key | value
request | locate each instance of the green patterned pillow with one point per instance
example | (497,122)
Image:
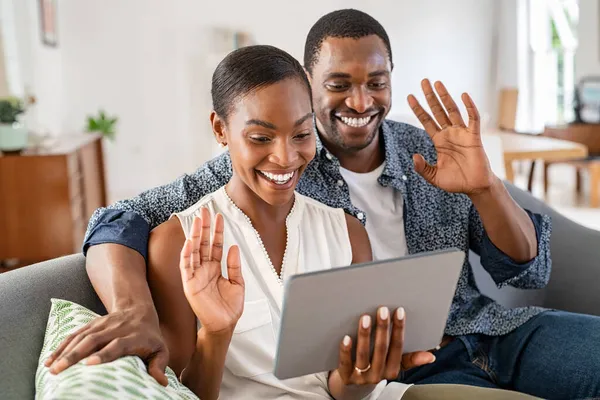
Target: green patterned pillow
(125,378)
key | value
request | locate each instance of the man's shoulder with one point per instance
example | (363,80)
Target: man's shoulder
(220,164)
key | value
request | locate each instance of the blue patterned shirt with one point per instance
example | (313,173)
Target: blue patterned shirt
(433,220)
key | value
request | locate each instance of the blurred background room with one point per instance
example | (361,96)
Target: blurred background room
(101,100)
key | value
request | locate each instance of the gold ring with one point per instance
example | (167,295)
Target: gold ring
(361,371)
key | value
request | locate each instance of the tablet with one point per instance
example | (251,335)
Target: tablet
(319,308)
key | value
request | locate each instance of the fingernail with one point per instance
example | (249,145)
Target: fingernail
(48,361)
(384,313)
(92,360)
(346,340)
(432,359)
(400,313)
(366,321)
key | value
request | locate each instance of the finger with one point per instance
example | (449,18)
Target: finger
(453,111)
(394,358)
(157,366)
(363,347)
(234,266)
(116,348)
(473,113)
(205,235)
(56,354)
(424,169)
(434,103)
(345,365)
(185,261)
(430,126)
(196,239)
(417,359)
(381,346)
(78,349)
(216,251)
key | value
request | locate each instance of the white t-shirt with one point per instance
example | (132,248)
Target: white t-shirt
(383,207)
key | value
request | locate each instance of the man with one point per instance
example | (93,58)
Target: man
(415,191)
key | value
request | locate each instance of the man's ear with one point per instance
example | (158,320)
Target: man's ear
(218,127)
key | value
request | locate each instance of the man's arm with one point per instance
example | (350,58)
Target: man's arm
(507,225)
(514,244)
(116,249)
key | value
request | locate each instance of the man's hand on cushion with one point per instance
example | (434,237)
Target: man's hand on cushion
(133,331)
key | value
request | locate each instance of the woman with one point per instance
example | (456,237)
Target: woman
(219,314)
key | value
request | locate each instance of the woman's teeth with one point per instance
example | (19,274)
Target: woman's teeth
(356,122)
(280,179)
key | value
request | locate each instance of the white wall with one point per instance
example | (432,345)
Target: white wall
(148,62)
(587,57)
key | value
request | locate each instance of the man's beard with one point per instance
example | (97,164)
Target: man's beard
(338,139)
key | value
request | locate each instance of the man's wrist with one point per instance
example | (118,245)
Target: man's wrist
(493,191)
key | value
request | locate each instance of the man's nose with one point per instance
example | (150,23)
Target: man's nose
(359,101)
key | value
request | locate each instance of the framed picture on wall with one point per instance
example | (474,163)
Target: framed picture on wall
(48,22)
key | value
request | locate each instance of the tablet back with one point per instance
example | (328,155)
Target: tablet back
(319,308)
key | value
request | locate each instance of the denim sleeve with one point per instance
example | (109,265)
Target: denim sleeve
(129,222)
(534,274)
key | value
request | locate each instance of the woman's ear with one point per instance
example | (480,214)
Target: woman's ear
(218,127)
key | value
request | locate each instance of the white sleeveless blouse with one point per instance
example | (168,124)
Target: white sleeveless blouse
(317,239)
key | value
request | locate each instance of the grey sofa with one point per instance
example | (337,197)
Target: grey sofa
(25,294)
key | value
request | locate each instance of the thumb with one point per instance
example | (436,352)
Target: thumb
(157,366)
(423,168)
(234,266)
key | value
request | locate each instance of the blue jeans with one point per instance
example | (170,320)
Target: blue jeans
(555,355)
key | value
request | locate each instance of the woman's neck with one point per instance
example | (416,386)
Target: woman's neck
(261,214)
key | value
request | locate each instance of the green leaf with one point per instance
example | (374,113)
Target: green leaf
(133,391)
(102,394)
(104,385)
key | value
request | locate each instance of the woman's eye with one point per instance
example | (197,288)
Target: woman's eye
(302,136)
(260,139)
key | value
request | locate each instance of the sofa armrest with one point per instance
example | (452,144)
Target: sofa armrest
(575,265)
(25,304)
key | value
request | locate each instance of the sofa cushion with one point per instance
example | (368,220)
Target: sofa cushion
(125,378)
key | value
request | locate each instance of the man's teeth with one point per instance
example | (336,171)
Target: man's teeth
(280,179)
(356,122)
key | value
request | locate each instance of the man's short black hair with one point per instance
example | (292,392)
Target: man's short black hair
(347,23)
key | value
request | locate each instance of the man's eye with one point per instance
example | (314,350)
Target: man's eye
(378,85)
(337,87)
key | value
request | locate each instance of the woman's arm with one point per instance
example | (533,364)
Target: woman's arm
(361,252)
(359,241)
(200,356)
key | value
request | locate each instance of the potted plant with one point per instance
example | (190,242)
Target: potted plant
(102,124)
(13,134)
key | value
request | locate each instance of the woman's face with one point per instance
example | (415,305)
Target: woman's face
(271,139)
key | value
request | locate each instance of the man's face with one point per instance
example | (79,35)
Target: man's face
(351,91)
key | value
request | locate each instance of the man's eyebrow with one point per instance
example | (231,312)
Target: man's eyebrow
(381,72)
(259,122)
(341,75)
(301,120)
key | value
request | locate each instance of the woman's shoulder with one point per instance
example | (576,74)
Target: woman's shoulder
(210,201)
(316,206)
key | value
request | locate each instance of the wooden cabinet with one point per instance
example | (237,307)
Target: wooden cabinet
(47,197)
